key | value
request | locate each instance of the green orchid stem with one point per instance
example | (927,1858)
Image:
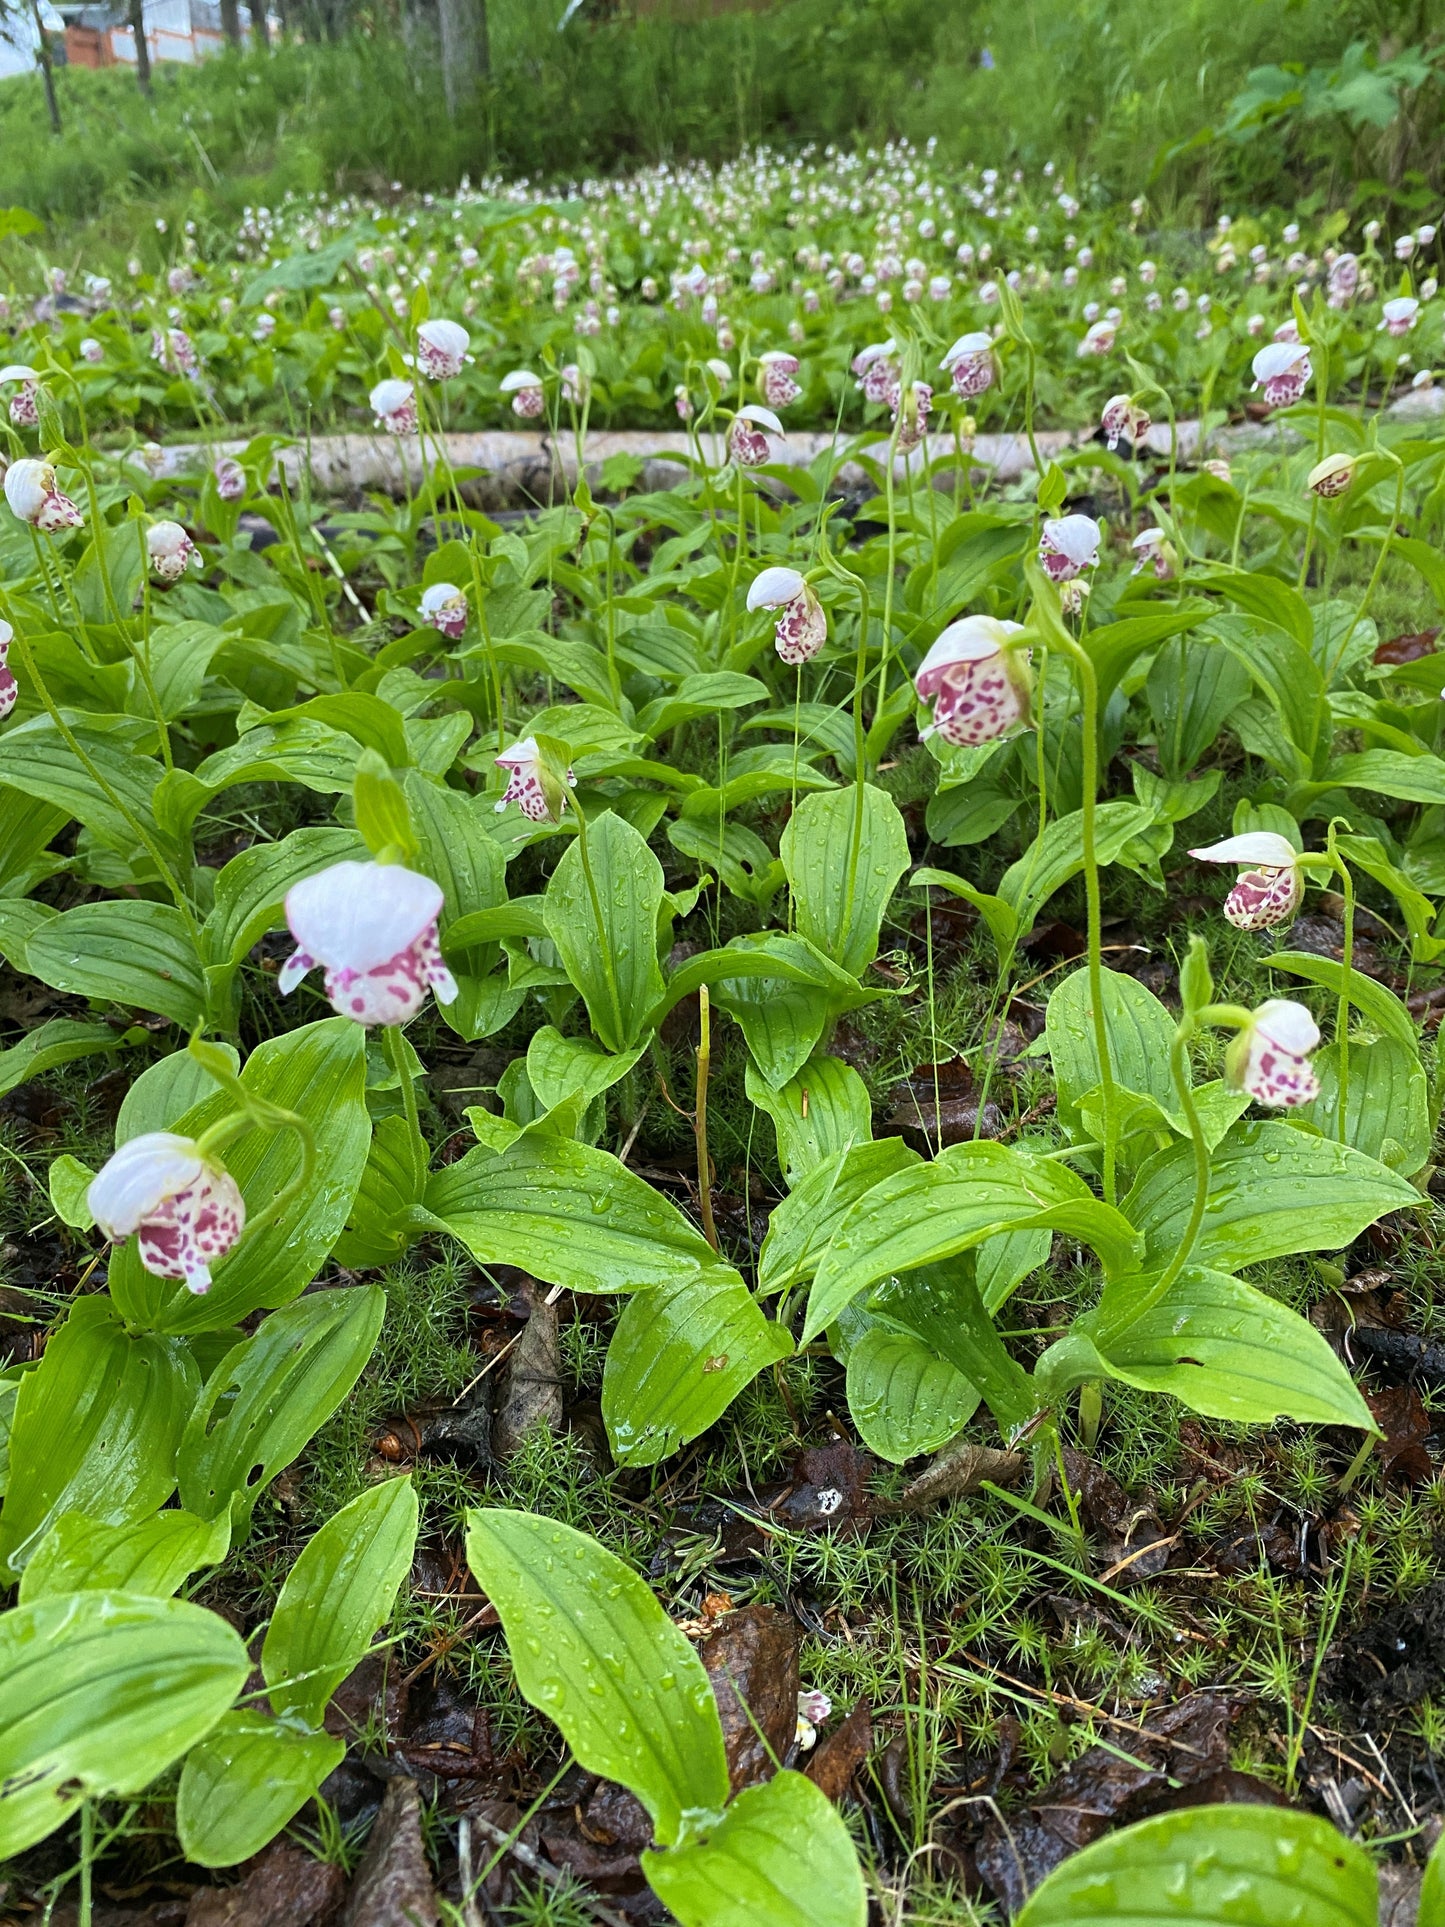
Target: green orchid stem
(395,1048)
(1179,1065)
(484,629)
(123,810)
(1091,1412)
(87,1860)
(860,674)
(1089,689)
(1342,1008)
(141,650)
(1375,574)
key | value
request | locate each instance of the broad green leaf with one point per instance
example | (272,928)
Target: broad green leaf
(177,656)
(934,1211)
(679,1356)
(1390,772)
(377,1230)
(1432,1891)
(1387,1110)
(605,927)
(1272,1190)
(1229,1351)
(96,1428)
(1002,919)
(102,1691)
(803,1223)
(245,1780)
(1230,1866)
(60,1041)
(1002,1262)
(1052,859)
(1291,683)
(904,1398)
(251,889)
(40,763)
(1193,686)
(781,1856)
(126,952)
(69,1183)
(821,1112)
(782,1023)
(774,955)
(559,1067)
(165,1091)
(319,1071)
(1381,1009)
(456,848)
(339,1592)
(843,862)
(1115,646)
(1139,1029)
(941,1306)
(150,1556)
(1267,600)
(271,1394)
(593,1649)
(570,1215)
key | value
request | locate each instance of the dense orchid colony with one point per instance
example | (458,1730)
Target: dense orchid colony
(651,279)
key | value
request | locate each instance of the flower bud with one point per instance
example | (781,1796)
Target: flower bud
(185,1210)
(1333,476)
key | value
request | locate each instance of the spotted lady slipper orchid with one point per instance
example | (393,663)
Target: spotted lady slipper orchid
(1123,416)
(527,785)
(747,437)
(776,385)
(9,688)
(877,371)
(970,365)
(92,350)
(230,479)
(1153,550)
(910,415)
(1271,884)
(802,628)
(1282,370)
(813,1709)
(393,403)
(977,680)
(1270,1057)
(30,490)
(441,349)
(1343,280)
(170,550)
(1398,317)
(25,402)
(184,1209)
(1332,477)
(1069,546)
(1100,338)
(444,608)
(574,385)
(525,388)
(682,402)
(174,350)
(373,928)
(1219,469)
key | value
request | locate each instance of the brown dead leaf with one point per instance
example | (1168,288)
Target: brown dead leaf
(939,1104)
(840,1755)
(958,1469)
(532,1394)
(284,1887)
(1401,1416)
(751,1658)
(393,1884)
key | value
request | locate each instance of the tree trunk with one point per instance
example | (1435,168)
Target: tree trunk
(260,26)
(142,48)
(42,54)
(463,37)
(231,21)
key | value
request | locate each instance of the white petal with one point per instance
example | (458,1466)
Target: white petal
(388,396)
(1277,358)
(1275,852)
(355,916)
(764,417)
(1288,1025)
(774,587)
(970,639)
(1076,536)
(519,378)
(974,344)
(447,337)
(141,1175)
(520,754)
(17,371)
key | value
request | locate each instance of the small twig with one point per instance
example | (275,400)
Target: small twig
(544,1870)
(495,1359)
